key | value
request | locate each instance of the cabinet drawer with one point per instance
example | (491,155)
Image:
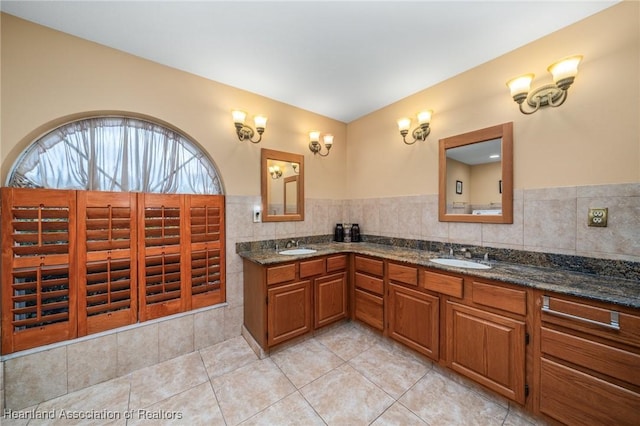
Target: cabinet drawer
(309,268)
(592,319)
(336,263)
(592,401)
(507,299)
(595,356)
(370,266)
(281,274)
(403,274)
(441,283)
(369,309)
(369,283)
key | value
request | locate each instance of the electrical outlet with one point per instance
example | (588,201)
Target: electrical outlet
(257,214)
(598,217)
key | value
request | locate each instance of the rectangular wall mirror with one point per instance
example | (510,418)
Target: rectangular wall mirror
(282,186)
(476,176)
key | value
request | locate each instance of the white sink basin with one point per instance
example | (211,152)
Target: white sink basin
(298,251)
(459,263)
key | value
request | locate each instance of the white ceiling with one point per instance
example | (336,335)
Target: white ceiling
(336,58)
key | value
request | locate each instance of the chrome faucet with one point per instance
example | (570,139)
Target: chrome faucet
(291,243)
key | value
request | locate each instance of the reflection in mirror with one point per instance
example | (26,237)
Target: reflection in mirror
(282,184)
(476,171)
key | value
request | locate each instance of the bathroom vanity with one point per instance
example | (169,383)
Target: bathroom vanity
(563,345)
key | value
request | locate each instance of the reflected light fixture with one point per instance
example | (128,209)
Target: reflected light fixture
(246,132)
(314,143)
(296,168)
(564,73)
(275,172)
(419,133)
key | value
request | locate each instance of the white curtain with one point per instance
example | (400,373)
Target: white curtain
(116,154)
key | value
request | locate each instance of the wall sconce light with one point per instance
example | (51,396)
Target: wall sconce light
(296,168)
(419,133)
(564,72)
(314,144)
(275,172)
(246,132)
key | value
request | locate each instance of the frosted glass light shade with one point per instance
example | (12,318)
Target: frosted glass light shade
(565,68)
(238,116)
(424,117)
(260,121)
(314,136)
(520,85)
(328,140)
(404,124)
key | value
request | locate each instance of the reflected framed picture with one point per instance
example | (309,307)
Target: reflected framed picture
(458,187)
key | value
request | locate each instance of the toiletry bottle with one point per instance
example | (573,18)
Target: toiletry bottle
(338,234)
(355,233)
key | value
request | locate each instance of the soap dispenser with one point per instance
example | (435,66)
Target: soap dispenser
(338,234)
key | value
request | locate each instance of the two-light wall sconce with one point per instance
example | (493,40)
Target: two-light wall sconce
(419,133)
(275,172)
(564,73)
(314,143)
(247,132)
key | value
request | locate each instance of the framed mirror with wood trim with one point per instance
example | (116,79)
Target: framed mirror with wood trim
(282,186)
(476,176)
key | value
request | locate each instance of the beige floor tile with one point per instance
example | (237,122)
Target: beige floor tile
(440,401)
(306,361)
(396,415)
(250,389)
(227,356)
(394,371)
(345,397)
(153,384)
(102,404)
(290,411)
(196,406)
(348,340)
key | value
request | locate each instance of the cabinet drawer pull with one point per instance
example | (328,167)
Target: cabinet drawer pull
(614,323)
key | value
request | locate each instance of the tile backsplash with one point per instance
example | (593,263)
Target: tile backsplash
(550,220)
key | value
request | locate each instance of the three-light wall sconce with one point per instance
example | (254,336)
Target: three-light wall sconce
(247,132)
(419,133)
(564,73)
(314,143)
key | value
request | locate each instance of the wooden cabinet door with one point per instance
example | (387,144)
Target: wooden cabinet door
(487,348)
(330,299)
(289,311)
(413,319)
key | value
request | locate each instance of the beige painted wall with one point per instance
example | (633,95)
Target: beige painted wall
(594,138)
(48,76)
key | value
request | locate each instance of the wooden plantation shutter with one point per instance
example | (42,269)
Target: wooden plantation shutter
(162,282)
(206,254)
(39,286)
(107,260)
(81,262)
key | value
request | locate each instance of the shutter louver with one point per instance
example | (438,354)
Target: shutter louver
(38,279)
(107,229)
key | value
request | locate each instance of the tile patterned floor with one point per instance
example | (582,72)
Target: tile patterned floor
(347,375)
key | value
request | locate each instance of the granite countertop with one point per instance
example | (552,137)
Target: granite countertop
(619,291)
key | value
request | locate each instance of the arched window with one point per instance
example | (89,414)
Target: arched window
(121,154)
(106,222)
